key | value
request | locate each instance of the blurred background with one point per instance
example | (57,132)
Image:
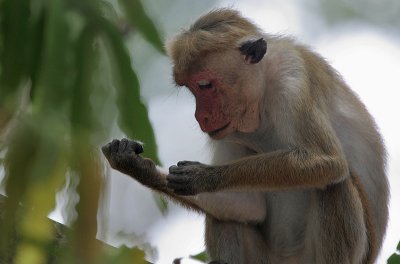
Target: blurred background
(67,88)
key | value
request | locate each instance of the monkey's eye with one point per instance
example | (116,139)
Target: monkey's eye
(204,84)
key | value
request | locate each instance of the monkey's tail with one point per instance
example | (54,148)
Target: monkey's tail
(369,221)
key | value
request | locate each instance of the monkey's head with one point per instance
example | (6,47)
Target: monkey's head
(219,60)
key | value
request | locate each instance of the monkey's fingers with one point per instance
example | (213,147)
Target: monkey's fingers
(176,170)
(187,163)
(135,146)
(129,146)
(122,145)
(125,145)
(109,148)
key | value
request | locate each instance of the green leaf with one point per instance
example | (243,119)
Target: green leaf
(136,15)
(81,111)
(108,11)
(35,55)
(201,257)
(394,259)
(14,27)
(19,163)
(126,255)
(55,77)
(14,19)
(133,117)
(86,165)
(18,167)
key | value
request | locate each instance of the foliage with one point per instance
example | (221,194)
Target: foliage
(202,256)
(56,109)
(395,258)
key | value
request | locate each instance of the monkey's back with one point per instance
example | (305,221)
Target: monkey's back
(359,136)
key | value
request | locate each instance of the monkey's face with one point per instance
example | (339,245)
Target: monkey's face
(227,84)
(227,95)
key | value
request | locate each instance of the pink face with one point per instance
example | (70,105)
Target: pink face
(221,108)
(209,100)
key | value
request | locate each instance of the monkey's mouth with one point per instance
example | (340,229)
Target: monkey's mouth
(215,132)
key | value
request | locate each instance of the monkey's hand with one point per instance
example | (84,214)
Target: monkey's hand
(124,156)
(191,178)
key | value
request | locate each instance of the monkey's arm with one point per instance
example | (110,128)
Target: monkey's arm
(238,206)
(315,162)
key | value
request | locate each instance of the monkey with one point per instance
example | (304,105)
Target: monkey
(298,166)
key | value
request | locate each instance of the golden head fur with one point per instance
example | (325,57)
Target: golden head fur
(215,31)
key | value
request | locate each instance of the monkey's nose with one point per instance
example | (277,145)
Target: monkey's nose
(203,120)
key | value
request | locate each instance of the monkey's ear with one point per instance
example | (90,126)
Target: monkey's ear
(254,50)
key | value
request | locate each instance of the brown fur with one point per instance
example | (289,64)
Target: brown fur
(369,220)
(317,154)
